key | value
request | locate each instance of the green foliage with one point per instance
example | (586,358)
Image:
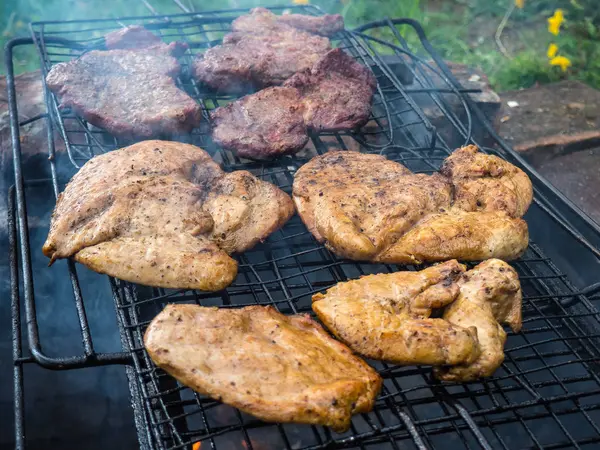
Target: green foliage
(449,25)
(523,71)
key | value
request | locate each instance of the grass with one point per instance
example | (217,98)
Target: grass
(461,30)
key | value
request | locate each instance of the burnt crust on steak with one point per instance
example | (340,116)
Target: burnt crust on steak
(261,19)
(337,92)
(131,93)
(247,62)
(263,125)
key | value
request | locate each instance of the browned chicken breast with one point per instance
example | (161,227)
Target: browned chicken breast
(278,368)
(490,294)
(487,183)
(386,316)
(163,214)
(365,207)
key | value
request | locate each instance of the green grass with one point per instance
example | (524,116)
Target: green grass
(449,25)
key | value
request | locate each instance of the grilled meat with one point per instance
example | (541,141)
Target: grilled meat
(261,19)
(487,183)
(335,95)
(262,125)
(138,37)
(365,207)
(131,93)
(248,61)
(386,317)
(336,92)
(163,214)
(278,368)
(490,294)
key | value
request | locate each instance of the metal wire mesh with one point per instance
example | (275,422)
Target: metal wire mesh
(545,395)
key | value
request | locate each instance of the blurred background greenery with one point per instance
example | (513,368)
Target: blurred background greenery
(462,30)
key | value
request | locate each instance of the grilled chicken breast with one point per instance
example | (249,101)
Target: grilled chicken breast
(365,207)
(163,214)
(386,316)
(278,368)
(490,295)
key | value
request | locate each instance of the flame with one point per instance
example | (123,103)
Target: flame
(196,445)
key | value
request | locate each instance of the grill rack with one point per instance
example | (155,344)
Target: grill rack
(471,415)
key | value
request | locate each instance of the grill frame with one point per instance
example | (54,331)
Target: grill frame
(553,289)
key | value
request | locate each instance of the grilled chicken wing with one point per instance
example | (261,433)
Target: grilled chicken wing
(386,316)
(490,294)
(163,214)
(278,368)
(365,207)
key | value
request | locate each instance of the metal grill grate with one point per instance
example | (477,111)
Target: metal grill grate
(547,393)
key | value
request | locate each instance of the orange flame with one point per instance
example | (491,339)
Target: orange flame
(196,445)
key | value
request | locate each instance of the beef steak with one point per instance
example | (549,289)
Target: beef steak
(261,19)
(130,92)
(337,92)
(249,61)
(136,37)
(262,125)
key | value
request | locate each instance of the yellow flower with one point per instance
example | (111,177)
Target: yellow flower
(555,21)
(561,61)
(520,3)
(552,50)
(301,2)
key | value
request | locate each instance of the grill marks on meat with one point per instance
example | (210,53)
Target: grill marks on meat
(278,368)
(248,61)
(387,317)
(129,92)
(263,125)
(163,214)
(365,207)
(261,19)
(335,95)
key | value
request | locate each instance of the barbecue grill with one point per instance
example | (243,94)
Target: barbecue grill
(545,395)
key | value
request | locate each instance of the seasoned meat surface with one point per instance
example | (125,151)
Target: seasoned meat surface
(490,295)
(163,214)
(387,316)
(336,92)
(261,19)
(278,368)
(487,183)
(262,125)
(248,61)
(365,207)
(131,93)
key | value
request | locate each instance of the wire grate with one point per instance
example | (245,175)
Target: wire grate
(545,395)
